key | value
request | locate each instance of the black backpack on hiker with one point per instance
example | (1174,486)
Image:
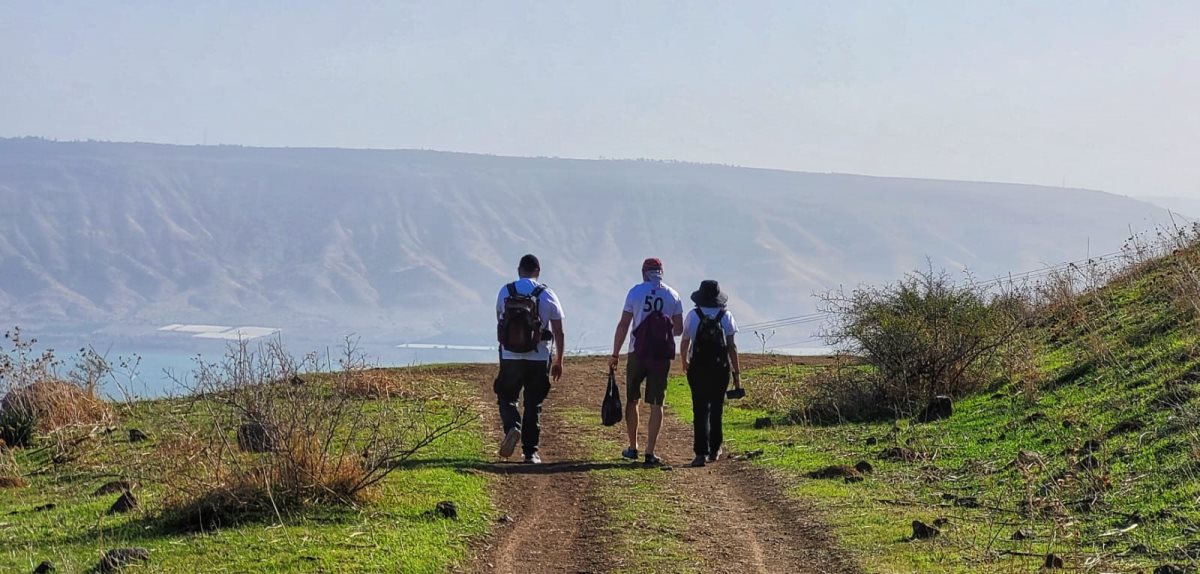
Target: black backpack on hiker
(520,328)
(611,409)
(710,348)
(654,342)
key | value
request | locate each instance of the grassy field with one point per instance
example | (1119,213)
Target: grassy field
(395,533)
(1096,461)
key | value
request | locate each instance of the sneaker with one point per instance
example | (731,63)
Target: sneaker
(697,462)
(652,460)
(714,457)
(533,458)
(509,444)
(629,453)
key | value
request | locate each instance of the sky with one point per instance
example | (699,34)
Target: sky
(1090,93)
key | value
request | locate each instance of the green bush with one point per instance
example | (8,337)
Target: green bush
(925,335)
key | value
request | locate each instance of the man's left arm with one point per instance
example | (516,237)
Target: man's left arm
(560,343)
(560,338)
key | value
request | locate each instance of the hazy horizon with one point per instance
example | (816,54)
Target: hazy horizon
(1094,95)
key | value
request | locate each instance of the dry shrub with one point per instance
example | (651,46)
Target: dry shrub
(376,384)
(324,446)
(36,400)
(840,394)
(210,490)
(10,472)
(51,405)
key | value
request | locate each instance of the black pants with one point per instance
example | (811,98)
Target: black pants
(534,378)
(708,384)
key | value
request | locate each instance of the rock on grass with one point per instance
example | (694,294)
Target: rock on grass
(1053,562)
(114,487)
(900,454)
(922,531)
(834,471)
(1023,534)
(446,509)
(136,435)
(126,503)
(1170,569)
(119,558)
(941,407)
(1126,426)
(46,567)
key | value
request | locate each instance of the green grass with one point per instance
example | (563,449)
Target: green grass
(1117,364)
(394,534)
(645,517)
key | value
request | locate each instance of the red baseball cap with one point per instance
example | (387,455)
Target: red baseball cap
(652,264)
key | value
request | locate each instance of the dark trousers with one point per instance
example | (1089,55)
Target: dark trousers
(708,384)
(532,377)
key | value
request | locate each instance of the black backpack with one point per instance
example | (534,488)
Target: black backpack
(520,327)
(710,347)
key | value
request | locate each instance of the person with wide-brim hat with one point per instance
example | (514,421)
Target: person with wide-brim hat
(709,355)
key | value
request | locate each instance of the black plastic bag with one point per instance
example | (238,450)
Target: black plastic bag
(611,410)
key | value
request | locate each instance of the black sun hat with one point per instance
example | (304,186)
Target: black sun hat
(710,295)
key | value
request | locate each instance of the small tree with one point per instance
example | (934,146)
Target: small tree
(926,335)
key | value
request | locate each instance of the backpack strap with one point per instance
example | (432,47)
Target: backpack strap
(720,315)
(512,290)
(537,291)
(700,314)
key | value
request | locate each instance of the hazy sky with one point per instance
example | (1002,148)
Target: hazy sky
(1088,93)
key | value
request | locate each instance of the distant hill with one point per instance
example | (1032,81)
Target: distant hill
(1188,207)
(413,245)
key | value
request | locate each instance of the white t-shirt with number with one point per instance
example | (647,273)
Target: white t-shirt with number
(548,308)
(648,297)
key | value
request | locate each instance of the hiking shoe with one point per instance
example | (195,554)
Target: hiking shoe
(697,462)
(714,457)
(652,460)
(509,444)
(629,453)
(533,458)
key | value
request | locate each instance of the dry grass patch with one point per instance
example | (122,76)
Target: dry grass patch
(281,434)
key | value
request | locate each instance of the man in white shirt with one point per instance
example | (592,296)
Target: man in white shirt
(528,370)
(649,301)
(709,355)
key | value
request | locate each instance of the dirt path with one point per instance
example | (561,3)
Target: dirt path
(738,520)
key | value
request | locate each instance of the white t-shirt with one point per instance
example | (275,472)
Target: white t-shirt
(691,323)
(548,308)
(648,297)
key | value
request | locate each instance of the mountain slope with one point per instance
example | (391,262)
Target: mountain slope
(416,243)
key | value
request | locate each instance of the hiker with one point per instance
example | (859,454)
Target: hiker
(708,354)
(655,313)
(528,315)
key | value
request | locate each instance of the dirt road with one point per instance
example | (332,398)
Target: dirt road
(737,518)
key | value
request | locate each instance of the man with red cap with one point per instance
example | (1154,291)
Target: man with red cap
(654,311)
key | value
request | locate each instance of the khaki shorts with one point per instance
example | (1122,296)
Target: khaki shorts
(656,384)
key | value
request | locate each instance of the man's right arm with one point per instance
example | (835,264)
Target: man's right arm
(619,338)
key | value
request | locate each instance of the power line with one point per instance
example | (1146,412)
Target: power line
(1030,275)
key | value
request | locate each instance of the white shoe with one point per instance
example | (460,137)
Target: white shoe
(509,444)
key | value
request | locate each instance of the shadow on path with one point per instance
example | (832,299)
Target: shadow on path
(517,467)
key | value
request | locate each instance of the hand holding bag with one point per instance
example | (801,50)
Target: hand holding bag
(611,410)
